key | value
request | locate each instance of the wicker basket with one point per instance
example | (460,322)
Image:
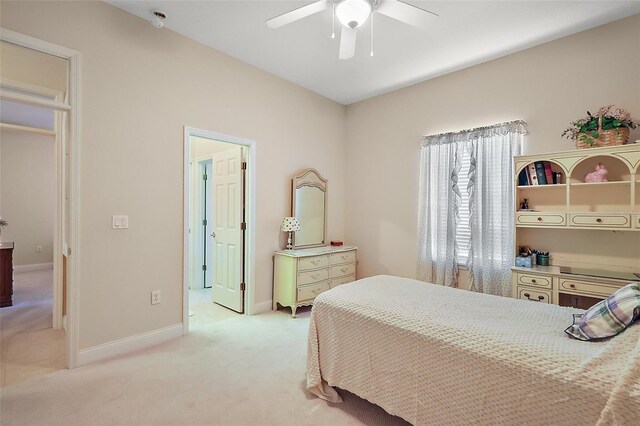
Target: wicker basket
(612,137)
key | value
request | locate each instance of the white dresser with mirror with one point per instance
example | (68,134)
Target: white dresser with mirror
(312,266)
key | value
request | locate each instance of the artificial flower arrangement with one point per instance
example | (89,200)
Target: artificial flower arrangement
(610,126)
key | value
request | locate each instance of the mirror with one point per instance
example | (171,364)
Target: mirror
(309,206)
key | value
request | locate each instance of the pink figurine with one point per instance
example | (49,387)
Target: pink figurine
(600,175)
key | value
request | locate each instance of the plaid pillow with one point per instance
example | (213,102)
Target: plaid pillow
(608,317)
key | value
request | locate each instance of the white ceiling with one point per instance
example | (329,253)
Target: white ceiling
(465,34)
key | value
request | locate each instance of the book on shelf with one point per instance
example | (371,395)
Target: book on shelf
(542,177)
(532,174)
(523,179)
(548,172)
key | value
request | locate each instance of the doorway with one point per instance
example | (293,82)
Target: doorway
(218,244)
(38,97)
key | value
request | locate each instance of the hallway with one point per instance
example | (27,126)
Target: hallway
(29,346)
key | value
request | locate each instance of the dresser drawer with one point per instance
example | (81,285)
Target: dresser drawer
(344,257)
(600,221)
(534,295)
(310,277)
(343,280)
(541,219)
(315,262)
(311,291)
(342,270)
(534,280)
(585,287)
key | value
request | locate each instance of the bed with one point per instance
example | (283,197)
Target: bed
(438,355)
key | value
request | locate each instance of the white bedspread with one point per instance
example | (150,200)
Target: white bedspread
(437,355)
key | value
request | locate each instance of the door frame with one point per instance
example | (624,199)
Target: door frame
(250,200)
(197,248)
(70,181)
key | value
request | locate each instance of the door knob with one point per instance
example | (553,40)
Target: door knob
(213,234)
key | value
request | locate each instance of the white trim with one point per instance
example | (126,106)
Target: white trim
(21,86)
(18,128)
(250,218)
(73,106)
(33,100)
(33,267)
(129,344)
(262,307)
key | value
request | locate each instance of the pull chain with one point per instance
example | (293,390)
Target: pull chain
(333,21)
(371,54)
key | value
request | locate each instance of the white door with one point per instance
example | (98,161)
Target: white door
(227,232)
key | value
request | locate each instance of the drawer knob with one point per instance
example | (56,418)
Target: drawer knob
(572,285)
(599,220)
(540,298)
(315,276)
(539,219)
(533,281)
(527,295)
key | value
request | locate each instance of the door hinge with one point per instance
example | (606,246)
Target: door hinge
(204,267)
(204,222)
(243,226)
(244,165)
(204,176)
(242,286)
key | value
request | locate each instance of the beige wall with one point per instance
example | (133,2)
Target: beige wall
(27,202)
(27,66)
(140,86)
(547,86)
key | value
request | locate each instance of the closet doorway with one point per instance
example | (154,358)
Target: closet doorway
(218,224)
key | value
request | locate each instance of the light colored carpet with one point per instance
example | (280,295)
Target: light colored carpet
(235,370)
(29,346)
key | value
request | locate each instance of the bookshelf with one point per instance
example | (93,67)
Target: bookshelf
(582,224)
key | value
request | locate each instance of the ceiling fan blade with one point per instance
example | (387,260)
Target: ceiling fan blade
(406,13)
(299,13)
(347,43)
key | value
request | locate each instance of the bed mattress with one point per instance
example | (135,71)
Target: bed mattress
(438,355)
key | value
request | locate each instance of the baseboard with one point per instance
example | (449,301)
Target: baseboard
(261,307)
(34,267)
(128,344)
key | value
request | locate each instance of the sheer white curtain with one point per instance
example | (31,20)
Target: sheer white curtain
(439,200)
(491,207)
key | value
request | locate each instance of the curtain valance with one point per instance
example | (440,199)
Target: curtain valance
(509,127)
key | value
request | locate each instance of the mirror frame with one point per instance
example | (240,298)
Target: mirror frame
(309,177)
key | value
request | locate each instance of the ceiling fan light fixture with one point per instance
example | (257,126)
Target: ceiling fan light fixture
(353,13)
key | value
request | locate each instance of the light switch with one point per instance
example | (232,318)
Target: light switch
(120,221)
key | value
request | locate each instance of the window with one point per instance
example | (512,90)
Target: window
(463,231)
(457,228)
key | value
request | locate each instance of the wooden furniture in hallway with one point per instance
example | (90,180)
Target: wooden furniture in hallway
(6,274)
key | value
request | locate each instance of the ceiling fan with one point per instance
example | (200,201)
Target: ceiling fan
(353,13)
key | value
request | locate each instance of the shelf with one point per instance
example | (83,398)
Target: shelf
(554,185)
(611,183)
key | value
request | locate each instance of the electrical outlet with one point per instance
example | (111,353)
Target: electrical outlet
(38,249)
(155,297)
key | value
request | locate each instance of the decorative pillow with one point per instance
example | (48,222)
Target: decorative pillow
(608,317)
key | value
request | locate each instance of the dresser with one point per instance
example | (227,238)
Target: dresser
(6,274)
(300,275)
